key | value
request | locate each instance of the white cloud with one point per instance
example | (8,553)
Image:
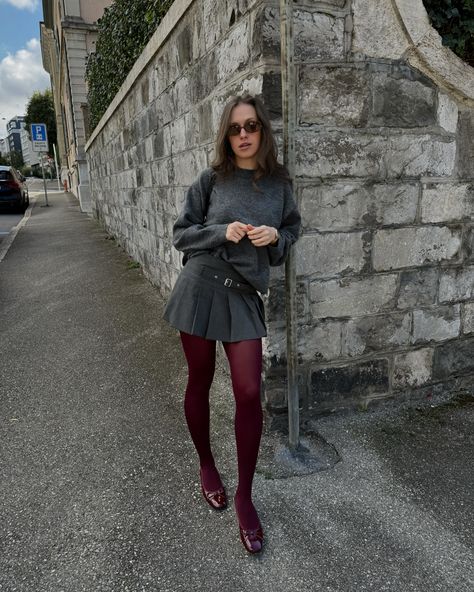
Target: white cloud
(23,4)
(21,74)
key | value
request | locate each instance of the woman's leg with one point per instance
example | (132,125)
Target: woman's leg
(201,357)
(245,360)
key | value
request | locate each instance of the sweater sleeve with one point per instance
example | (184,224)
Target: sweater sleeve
(190,231)
(289,229)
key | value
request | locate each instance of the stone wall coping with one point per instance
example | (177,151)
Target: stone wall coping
(164,29)
(428,54)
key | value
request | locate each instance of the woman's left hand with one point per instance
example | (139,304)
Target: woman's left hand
(260,236)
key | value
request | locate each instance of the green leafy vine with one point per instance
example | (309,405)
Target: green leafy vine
(124,30)
(454,21)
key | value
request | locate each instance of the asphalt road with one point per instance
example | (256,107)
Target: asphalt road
(9,218)
(98,476)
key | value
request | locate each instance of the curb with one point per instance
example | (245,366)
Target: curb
(7,243)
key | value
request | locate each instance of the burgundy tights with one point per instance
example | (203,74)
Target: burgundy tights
(245,361)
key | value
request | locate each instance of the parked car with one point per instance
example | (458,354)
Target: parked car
(13,189)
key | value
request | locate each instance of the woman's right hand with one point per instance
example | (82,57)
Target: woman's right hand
(236,231)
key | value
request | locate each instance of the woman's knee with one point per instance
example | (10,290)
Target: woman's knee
(247,393)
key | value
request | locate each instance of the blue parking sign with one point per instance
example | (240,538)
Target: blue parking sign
(39,137)
(38,132)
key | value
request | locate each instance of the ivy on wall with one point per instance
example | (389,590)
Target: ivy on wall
(123,32)
(454,21)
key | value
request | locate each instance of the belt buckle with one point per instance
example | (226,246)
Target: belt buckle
(227,282)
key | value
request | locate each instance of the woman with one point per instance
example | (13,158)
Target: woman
(239,218)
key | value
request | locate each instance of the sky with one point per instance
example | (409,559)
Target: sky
(21,67)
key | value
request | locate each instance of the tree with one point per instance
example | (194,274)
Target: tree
(40,109)
(14,158)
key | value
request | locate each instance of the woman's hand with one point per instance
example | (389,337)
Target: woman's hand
(236,231)
(262,235)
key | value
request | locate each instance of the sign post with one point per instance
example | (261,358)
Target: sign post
(39,139)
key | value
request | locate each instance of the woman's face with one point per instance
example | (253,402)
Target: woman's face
(246,144)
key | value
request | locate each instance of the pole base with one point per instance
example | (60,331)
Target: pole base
(277,461)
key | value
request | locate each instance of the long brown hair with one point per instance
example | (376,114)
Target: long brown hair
(267,163)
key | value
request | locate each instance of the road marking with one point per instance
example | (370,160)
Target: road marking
(7,243)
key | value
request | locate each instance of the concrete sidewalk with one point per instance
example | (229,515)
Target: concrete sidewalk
(99,480)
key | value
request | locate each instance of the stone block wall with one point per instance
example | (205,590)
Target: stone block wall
(385,183)
(384,180)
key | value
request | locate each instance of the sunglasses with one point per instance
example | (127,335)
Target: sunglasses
(249,126)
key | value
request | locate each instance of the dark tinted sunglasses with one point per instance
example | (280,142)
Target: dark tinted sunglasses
(249,126)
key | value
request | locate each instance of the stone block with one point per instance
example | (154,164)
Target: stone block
(351,205)
(333,95)
(333,386)
(178,136)
(401,100)
(318,36)
(205,129)
(377,32)
(275,303)
(159,173)
(271,95)
(341,154)
(447,202)
(415,156)
(447,113)
(453,357)
(412,369)
(275,391)
(181,97)
(202,78)
(370,334)
(330,254)
(315,342)
(184,46)
(215,23)
(187,165)
(418,288)
(436,324)
(233,52)
(407,247)
(468,317)
(319,342)
(266,35)
(350,297)
(456,285)
(470,243)
(466,144)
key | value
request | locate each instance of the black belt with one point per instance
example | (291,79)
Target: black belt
(220,278)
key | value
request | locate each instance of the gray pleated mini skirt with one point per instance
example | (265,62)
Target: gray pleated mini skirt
(211,300)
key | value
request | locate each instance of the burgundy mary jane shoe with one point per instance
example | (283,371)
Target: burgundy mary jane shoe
(252,540)
(216,499)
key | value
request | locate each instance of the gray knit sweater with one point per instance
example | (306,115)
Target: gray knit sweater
(196,231)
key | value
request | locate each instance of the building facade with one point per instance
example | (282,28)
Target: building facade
(3,147)
(68,35)
(14,127)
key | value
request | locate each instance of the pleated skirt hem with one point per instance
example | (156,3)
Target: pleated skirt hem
(198,307)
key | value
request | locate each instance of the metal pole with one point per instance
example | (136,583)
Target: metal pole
(288,84)
(44,179)
(56,164)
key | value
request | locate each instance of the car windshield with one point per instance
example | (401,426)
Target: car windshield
(5,175)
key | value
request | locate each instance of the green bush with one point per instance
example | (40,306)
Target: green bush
(454,21)
(124,30)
